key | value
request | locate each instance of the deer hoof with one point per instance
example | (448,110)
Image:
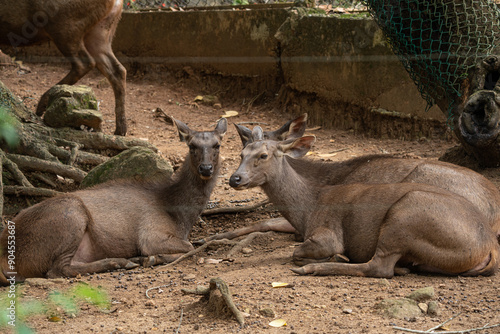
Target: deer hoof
(199,242)
(300,271)
(131,265)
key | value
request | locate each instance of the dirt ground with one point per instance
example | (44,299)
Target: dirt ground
(311,305)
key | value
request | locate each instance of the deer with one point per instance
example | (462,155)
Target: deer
(379,168)
(82,31)
(116,225)
(378,227)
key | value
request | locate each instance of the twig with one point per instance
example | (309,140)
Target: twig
(443,323)
(245,242)
(431,330)
(157,287)
(236,209)
(180,322)
(44,179)
(199,249)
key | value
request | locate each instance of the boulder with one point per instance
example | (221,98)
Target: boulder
(136,162)
(72,106)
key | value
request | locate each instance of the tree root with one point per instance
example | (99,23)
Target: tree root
(29,191)
(217,284)
(236,209)
(199,249)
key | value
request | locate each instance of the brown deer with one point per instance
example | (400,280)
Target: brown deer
(481,192)
(82,30)
(116,224)
(377,226)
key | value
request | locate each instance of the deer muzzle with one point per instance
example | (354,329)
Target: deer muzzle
(206,171)
(237,182)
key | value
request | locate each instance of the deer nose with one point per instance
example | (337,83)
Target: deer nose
(234,180)
(206,170)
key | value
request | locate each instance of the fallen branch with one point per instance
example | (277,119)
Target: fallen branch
(235,209)
(431,330)
(180,322)
(245,242)
(219,284)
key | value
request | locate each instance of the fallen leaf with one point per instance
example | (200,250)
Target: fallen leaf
(230,113)
(278,323)
(55,319)
(327,155)
(279,284)
(198,98)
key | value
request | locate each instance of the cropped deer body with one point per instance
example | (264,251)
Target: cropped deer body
(82,30)
(477,189)
(375,225)
(102,228)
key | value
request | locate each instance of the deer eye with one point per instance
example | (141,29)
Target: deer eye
(264,156)
(216,146)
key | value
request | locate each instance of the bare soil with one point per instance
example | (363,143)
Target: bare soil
(312,305)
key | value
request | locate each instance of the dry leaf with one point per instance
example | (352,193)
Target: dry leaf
(230,113)
(213,261)
(327,155)
(278,323)
(198,98)
(279,284)
(55,319)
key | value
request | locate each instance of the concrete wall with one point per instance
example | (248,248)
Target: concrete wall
(338,70)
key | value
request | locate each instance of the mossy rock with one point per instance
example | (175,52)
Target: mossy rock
(399,308)
(136,162)
(72,106)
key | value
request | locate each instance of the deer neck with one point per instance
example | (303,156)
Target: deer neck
(187,196)
(293,194)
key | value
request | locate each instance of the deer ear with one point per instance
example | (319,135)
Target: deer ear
(245,134)
(297,127)
(221,127)
(257,134)
(291,129)
(184,131)
(297,148)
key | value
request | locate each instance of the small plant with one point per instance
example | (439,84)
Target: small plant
(14,312)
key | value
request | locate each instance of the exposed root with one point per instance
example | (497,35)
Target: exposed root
(217,284)
(29,191)
(243,243)
(237,209)
(201,248)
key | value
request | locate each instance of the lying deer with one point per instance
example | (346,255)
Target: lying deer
(377,226)
(481,192)
(81,30)
(117,224)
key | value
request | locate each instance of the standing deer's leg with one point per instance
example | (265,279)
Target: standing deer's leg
(81,63)
(98,43)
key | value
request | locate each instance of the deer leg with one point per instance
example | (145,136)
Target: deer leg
(81,63)
(321,246)
(161,248)
(380,265)
(275,224)
(98,42)
(99,266)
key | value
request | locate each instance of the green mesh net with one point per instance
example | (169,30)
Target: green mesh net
(438,41)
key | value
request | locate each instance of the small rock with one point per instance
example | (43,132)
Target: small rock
(246,250)
(433,308)
(347,311)
(267,312)
(201,260)
(422,295)
(384,282)
(423,306)
(150,304)
(189,277)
